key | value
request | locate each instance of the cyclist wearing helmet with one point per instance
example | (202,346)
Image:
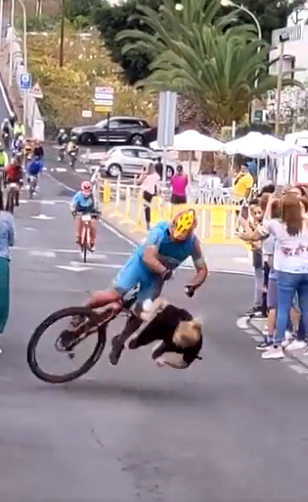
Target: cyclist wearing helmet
(167,246)
(83,202)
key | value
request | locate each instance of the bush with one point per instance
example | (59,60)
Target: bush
(69,90)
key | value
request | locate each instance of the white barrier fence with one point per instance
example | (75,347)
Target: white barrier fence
(34,119)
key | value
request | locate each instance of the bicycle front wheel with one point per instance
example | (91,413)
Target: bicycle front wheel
(33,359)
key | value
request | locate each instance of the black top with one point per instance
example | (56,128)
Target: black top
(162,327)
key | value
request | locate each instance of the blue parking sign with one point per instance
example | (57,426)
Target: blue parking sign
(25,81)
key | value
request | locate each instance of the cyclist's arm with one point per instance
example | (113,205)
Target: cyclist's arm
(74,202)
(200,265)
(151,248)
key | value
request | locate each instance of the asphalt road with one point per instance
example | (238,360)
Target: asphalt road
(232,428)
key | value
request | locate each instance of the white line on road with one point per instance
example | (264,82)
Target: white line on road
(43,254)
(99,255)
(301,370)
(60,169)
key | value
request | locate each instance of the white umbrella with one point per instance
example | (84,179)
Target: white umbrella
(260,146)
(192,141)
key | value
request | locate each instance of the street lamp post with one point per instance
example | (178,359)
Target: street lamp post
(283,38)
(229,3)
(1,21)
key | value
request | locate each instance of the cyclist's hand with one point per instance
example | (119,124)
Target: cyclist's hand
(74,214)
(167,275)
(190,291)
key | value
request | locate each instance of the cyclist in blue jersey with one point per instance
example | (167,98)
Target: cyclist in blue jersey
(167,246)
(34,167)
(84,202)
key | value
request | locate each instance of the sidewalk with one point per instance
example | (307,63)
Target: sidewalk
(220,257)
(259,325)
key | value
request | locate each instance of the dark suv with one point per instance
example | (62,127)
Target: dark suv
(122,130)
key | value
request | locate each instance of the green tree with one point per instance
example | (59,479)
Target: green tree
(210,63)
(110,20)
(75,9)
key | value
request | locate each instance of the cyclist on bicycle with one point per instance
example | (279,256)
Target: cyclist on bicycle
(38,150)
(82,203)
(14,174)
(34,168)
(167,246)
(5,130)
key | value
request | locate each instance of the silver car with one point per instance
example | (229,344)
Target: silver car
(129,160)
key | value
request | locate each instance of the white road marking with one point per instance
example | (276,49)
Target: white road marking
(99,265)
(72,268)
(47,202)
(257,338)
(99,256)
(81,170)
(43,254)
(43,217)
(301,370)
(242,322)
(61,169)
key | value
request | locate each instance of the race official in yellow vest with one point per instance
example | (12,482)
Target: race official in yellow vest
(19,129)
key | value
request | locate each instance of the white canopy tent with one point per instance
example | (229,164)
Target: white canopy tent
(192,141)
(261,146)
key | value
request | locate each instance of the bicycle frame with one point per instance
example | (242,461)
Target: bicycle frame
(85,238)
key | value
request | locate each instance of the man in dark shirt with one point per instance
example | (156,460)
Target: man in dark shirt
(177,331)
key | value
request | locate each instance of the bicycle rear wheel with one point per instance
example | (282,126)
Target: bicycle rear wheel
(42,328)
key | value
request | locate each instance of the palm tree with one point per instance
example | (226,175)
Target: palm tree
(203,57)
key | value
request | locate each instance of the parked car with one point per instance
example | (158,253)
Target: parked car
(129,160)
(127,130)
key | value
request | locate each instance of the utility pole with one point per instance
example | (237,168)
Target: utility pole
(283,38)
(62,33)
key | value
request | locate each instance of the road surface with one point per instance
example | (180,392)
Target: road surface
(233,428)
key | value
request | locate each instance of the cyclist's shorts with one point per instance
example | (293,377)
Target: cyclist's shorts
(134,273)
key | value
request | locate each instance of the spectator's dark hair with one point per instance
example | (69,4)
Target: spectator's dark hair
(267,189)
(1,201)
(254,202)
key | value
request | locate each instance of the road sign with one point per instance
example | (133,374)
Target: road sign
(36,91)
(25,81)
(166,118)
(86,114)
(103,99)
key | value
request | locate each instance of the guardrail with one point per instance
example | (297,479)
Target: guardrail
(216,222)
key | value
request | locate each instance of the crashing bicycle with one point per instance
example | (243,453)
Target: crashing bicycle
(141,279)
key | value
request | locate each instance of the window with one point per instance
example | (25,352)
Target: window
(129,152)
(114,124)
(145,154)
(130,122)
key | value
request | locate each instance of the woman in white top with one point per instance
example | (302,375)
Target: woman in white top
(148,180)
(290,262)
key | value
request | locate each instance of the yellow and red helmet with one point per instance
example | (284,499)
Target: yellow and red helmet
(183,224)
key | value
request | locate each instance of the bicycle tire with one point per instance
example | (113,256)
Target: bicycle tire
(40,330)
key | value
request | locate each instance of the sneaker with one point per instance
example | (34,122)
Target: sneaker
(92,248)
(116,351)
(273,353)
(253,311)
(296,345)
(288,338)
(264,345)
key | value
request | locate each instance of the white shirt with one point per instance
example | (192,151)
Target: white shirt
(291,252)
(150,183)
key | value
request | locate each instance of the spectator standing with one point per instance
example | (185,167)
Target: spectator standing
(179,184)
(7,240)
(243,184)
(148,181)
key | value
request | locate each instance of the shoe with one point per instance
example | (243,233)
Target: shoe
(92,248)
(296,345)
(264,345)
(273,352)
(288,338)
(253,311)
(116,351)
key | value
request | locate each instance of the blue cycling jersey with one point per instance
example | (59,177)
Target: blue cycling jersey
(34,167)
(171,253)
(83,204)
